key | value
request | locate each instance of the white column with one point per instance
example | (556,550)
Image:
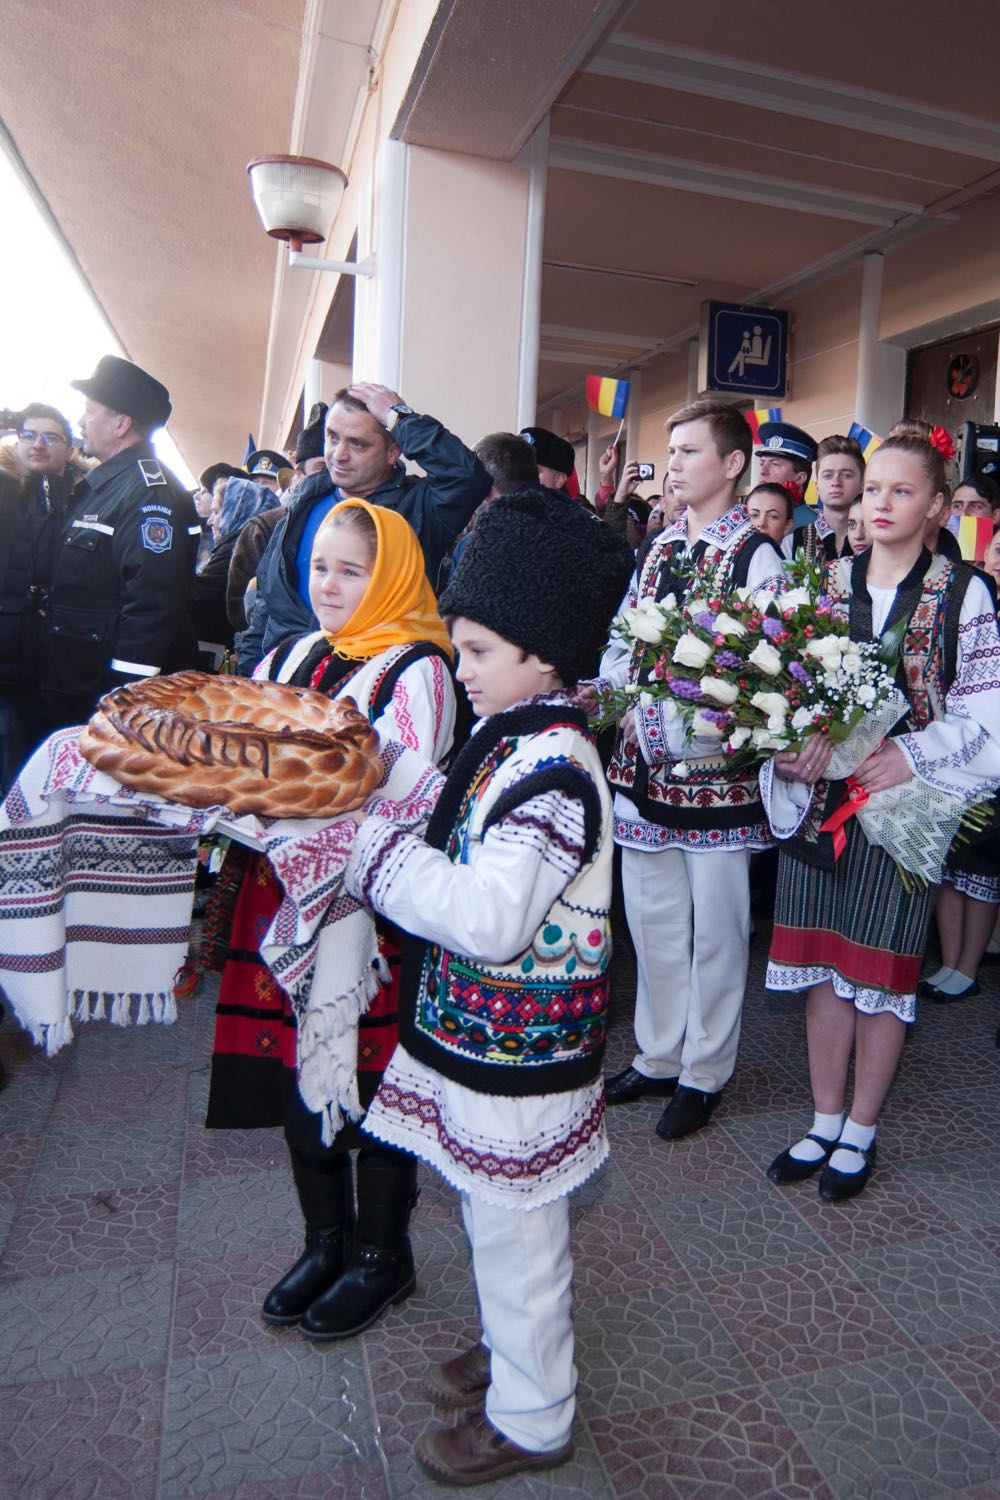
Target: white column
(693,351)
(595,447)
(881,388)
(536,157)
(383,293)
(632,434)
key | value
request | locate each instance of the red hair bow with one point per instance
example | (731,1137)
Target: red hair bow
(940,440)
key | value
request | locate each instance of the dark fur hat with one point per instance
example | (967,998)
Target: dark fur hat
(544,573)
(311,439)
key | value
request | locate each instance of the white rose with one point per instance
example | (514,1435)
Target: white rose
(794,599)
(680,769)
(764,656)
(645,622)
(669,603)
(646,699)
(827,645)
(762,598)
(669,709)
(866,696)
(692,652)
(701,725)
(802,719)
(743,594)
(772,704)
(776,723)
(719,690)
(851,662)
(831,679)
(763,739)
(726,625)
(738,738)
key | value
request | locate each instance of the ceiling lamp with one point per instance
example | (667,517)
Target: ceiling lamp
(297,198)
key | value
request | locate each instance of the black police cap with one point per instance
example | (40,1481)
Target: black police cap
(125,387)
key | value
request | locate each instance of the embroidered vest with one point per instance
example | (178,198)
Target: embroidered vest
(714,794)
(535,1024)
(308,661)
(931,598)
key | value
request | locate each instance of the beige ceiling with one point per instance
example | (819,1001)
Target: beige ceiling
(136,121)
(713,149)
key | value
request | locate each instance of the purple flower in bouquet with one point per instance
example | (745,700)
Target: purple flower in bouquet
(706,620)
(773,627)
(798,671)
(684,688)
(729,661)
(717,716)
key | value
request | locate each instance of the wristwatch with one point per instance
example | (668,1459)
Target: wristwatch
(395,412)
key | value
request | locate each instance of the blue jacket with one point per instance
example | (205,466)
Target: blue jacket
(438,505)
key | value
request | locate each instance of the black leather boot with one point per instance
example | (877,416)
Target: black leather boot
(380,1270)
(327,1201)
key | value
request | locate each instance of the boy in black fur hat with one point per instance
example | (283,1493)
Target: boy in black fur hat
(496,1081)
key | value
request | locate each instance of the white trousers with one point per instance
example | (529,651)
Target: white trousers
(689,916)
(524,1272)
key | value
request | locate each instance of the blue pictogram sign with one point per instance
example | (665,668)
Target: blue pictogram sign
(743,349)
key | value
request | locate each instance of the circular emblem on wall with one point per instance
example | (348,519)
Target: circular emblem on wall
(963,374)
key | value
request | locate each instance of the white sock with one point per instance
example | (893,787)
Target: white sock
(827,1126)
(854,1135)
(938,979)
(955,983)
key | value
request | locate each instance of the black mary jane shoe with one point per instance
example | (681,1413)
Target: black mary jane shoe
(630,1084)
(942,997)
(837,1187)
(789,1168)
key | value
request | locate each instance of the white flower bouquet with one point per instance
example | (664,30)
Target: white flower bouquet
(759,673)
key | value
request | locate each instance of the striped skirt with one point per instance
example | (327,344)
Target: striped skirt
(855,926)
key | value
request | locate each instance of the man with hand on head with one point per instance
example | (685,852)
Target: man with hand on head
(123,570)
(369,429)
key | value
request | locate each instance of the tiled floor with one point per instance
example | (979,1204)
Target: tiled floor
(734,1339)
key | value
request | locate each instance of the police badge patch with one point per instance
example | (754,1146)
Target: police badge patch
(157,534)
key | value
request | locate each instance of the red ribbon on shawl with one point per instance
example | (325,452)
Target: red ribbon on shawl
(834,825)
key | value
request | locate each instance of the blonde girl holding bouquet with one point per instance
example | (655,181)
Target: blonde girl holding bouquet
(848,931)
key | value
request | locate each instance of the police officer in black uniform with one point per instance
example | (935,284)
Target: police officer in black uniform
(122,575)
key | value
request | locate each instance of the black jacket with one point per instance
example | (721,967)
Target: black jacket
(32,514)
(121,582)
(437,504)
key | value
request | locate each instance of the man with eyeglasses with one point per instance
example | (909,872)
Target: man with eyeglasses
(32,515)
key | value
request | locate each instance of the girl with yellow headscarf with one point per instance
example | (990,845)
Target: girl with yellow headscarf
(382,642)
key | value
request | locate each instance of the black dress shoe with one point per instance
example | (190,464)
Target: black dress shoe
(687,1112)
(837,1187)
(942,997)
(789,1168)
(623,1087)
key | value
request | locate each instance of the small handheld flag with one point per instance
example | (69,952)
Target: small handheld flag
(974,536)
(606,396)
(761,414)
(251,448)
(867,441)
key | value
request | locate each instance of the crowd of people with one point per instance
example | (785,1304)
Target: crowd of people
(447,605)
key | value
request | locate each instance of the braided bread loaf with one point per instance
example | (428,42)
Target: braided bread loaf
(253,747)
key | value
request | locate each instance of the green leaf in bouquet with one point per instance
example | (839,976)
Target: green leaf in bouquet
(891,643)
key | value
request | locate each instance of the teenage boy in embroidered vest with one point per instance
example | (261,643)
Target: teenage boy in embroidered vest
(687,830)
(496,1081)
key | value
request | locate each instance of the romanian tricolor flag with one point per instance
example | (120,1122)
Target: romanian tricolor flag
(974,535)
(607,396)
(762,414)
(867,440)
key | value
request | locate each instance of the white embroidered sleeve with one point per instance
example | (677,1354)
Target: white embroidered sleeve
(767,571)
(421,712)
(785,802)
(960,753)
(489,909)
(614,662)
